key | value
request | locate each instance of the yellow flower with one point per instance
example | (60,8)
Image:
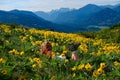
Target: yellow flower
(95,73)
(22,53)
(14,51)
(38,61)
(31,38)
(81,66)
(23,39)
(102,65)
(62,55)
(74,68)
(4,72)
(100,70)
(83,47)
(93,53)
(2,60)
(108,48)
(53,55)
(21,78)
(88,67)
(56,44)
(34,66)
(66,60)
(31,60)
(33,43)
(74,75)
(53,44)
(116,63)
(7,30)
(99,53)
(38,42)
(64,52)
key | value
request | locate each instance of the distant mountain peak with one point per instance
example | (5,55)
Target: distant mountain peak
(90,5)
(14,10)
(61,10)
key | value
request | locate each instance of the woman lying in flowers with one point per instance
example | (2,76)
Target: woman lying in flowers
(73,49)
(46,48)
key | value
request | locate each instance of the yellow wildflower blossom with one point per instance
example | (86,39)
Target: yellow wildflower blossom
(88,67)
(102,65)
(74,68)
(116,63)
(53,55)
(23,39)
(31,60)
(21,78)
(66,60)
(4,72)
(2,60)
(63,55)
(95,73)
(81,66)
(34,66)
(31,38)
(100,70)
(73,75)
(22,53)
(14,51)
(84,48)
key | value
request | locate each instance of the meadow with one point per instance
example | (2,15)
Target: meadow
(20,57)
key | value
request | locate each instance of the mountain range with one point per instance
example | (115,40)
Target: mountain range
(65,19)
(90,14)
(28,19)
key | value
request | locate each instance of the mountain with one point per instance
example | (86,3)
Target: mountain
(105,17)
(43,15)
(89,17)
(117,8)
(76,17)
(51,16)
(28,19)
(83,18)
(24,18)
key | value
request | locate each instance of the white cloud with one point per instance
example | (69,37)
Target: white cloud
(46,5)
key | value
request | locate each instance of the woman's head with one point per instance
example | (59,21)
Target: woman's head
(45,47)
(74,46)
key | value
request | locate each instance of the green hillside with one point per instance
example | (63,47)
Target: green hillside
(20,57)
(109,34)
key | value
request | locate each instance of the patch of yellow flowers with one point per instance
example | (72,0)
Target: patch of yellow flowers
(36,60)
(2,60)
(100,70)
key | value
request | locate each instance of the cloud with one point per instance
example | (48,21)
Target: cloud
(47,5)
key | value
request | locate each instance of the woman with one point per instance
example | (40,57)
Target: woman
(46,48)
(74,55)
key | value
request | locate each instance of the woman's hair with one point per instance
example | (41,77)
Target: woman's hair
(74,46)
(48,46)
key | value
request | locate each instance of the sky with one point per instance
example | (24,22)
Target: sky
(48,5)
